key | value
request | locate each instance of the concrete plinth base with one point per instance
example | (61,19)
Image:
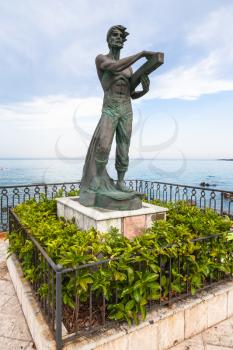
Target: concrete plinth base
(111,200)
(129,222)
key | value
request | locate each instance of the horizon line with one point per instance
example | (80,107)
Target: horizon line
(83,158)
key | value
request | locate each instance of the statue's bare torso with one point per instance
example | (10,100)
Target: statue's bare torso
(113,82)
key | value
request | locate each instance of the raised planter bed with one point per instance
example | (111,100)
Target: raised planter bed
(90,315)
(162,329)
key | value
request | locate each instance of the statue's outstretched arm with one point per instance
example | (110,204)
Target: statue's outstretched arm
(104,63)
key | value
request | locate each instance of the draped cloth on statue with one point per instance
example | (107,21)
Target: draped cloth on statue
(116,118)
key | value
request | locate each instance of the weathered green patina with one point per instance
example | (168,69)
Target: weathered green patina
(119,84)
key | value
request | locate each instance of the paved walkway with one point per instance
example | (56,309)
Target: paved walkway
(14,333)
(219,337)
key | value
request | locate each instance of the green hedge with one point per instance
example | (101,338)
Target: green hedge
(136,272)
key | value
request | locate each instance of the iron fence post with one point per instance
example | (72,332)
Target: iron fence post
(170,193)
(221,205)
(10,221)
(58,315)
(46,191)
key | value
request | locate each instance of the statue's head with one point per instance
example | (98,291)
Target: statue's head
(116,36)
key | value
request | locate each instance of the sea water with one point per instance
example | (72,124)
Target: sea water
(216,173)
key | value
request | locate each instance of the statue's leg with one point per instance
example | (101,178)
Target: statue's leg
(123,137)
(104,142)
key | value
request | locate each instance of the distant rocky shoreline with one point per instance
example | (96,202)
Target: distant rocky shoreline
(230,160)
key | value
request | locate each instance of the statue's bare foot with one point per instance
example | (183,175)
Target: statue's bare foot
(121,187)
(95,183)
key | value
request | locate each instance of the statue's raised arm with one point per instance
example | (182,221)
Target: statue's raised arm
(106,63)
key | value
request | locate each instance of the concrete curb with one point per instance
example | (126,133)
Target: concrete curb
(37,325)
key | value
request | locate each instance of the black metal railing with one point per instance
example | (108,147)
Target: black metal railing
(10,196)
(177,276)
(204,197)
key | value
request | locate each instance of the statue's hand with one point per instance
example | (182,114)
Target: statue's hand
(145,81)
(148,54)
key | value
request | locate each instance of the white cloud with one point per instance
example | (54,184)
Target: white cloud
(62,126)
(215,30)
(47,125)
(51,112)
(191,82)
(212,39)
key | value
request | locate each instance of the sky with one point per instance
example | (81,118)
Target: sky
(51,98)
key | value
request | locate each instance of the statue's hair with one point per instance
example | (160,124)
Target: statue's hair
(121,28)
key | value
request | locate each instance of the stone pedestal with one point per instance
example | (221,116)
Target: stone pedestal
(129,222)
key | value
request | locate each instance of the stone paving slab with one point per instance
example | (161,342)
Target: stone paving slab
(219,337)
(15,344)
(14,332)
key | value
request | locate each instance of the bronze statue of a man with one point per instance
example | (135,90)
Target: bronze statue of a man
(116,77)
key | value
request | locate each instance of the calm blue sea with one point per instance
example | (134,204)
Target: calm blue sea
(189,172)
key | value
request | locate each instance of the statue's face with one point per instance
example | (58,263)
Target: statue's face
(116,39)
